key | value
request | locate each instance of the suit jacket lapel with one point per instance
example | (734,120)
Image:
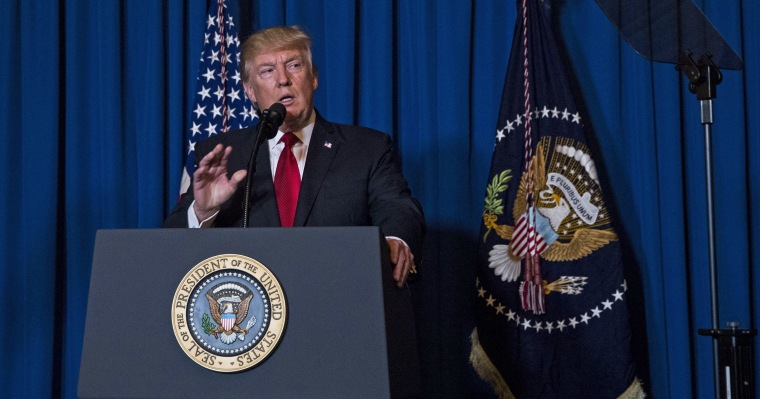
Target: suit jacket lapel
(322,149)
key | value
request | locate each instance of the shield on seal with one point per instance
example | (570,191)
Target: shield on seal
(228,321)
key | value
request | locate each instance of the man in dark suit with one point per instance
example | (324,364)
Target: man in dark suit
(348,174)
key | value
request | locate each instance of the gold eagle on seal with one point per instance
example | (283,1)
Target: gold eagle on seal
(571,237)
(227,318)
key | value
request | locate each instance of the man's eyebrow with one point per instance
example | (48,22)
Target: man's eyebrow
(265,64)
(296,57)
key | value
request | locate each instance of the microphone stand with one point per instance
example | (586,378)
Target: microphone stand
(270,121)
(733,349)
(251,171)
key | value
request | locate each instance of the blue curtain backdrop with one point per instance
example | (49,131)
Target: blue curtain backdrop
(95,101)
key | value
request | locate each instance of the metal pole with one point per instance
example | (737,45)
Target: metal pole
(706,110)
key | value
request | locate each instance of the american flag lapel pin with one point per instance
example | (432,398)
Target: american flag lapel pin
(328,144)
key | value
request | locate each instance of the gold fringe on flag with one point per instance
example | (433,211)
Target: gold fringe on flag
(485,368)
(488,373)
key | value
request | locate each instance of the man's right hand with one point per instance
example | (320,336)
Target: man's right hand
(211,187)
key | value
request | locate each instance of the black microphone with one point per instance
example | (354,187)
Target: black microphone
(271,119)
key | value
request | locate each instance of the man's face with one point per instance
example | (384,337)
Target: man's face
(283,76)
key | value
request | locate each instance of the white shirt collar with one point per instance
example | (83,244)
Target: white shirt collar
(304,134)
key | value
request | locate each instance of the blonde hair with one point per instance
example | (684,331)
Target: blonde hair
(274,39)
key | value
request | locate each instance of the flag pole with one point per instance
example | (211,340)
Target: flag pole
(733,348)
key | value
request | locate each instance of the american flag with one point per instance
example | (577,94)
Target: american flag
(220,102)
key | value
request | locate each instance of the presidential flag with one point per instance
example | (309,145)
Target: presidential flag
(220,102)
(551,317)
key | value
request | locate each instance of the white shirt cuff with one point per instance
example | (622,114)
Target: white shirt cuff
(397,239)
(192,218)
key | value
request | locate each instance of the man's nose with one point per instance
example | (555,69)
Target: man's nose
(283,78)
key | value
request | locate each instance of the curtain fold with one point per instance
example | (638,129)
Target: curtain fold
(31,241)
(95,103)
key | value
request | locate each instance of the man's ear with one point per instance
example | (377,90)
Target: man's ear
(315,77)
(249,92)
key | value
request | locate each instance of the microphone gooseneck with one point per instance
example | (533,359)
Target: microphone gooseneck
(270,121)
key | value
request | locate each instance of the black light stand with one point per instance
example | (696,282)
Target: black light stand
(733,348)
(671,31)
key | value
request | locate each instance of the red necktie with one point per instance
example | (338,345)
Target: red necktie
(287,181)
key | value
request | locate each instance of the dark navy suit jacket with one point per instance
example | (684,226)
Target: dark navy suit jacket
(350,179)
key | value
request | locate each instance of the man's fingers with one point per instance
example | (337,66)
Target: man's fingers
(237,177)
(209,158)
(218,159)
(398,267)
(394,246)
(403,265)
(213,164)
(225,156)
(402,260)
(211,186)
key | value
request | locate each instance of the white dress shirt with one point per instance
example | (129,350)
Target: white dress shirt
(275,149)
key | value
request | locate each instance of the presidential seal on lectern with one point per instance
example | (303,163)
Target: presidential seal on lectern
(229,313)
